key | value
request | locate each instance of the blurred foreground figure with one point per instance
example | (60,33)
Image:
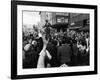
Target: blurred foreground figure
(31,55)
(64,53)
(43,54)
(31,52)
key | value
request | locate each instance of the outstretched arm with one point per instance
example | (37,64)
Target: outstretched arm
(41,60)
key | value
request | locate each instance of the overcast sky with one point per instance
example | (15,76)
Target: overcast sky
(31,18)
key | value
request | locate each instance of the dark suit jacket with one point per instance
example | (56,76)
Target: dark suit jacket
(74,58)
(53,52)
(64,54)
(75,49)
(31,58)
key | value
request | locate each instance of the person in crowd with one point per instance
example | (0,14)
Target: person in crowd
(31,55)
(82,53)
(75,53)
(39,43)
(64,53)
(43,54)
(52,48)
(47,27)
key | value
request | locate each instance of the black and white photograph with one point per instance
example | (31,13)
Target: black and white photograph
(52,39)
(55,39)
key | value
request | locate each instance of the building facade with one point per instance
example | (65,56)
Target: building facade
(79,20)
(54,17)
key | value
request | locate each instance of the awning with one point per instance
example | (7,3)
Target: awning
(74,28)
(86,28)
(60,25)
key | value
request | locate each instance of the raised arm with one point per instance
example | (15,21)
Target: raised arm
(41,60)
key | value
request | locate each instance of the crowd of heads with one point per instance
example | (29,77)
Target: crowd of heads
(58,38)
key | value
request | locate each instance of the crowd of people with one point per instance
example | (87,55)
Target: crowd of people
(44,48)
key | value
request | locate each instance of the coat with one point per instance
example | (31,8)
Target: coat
(64,54)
